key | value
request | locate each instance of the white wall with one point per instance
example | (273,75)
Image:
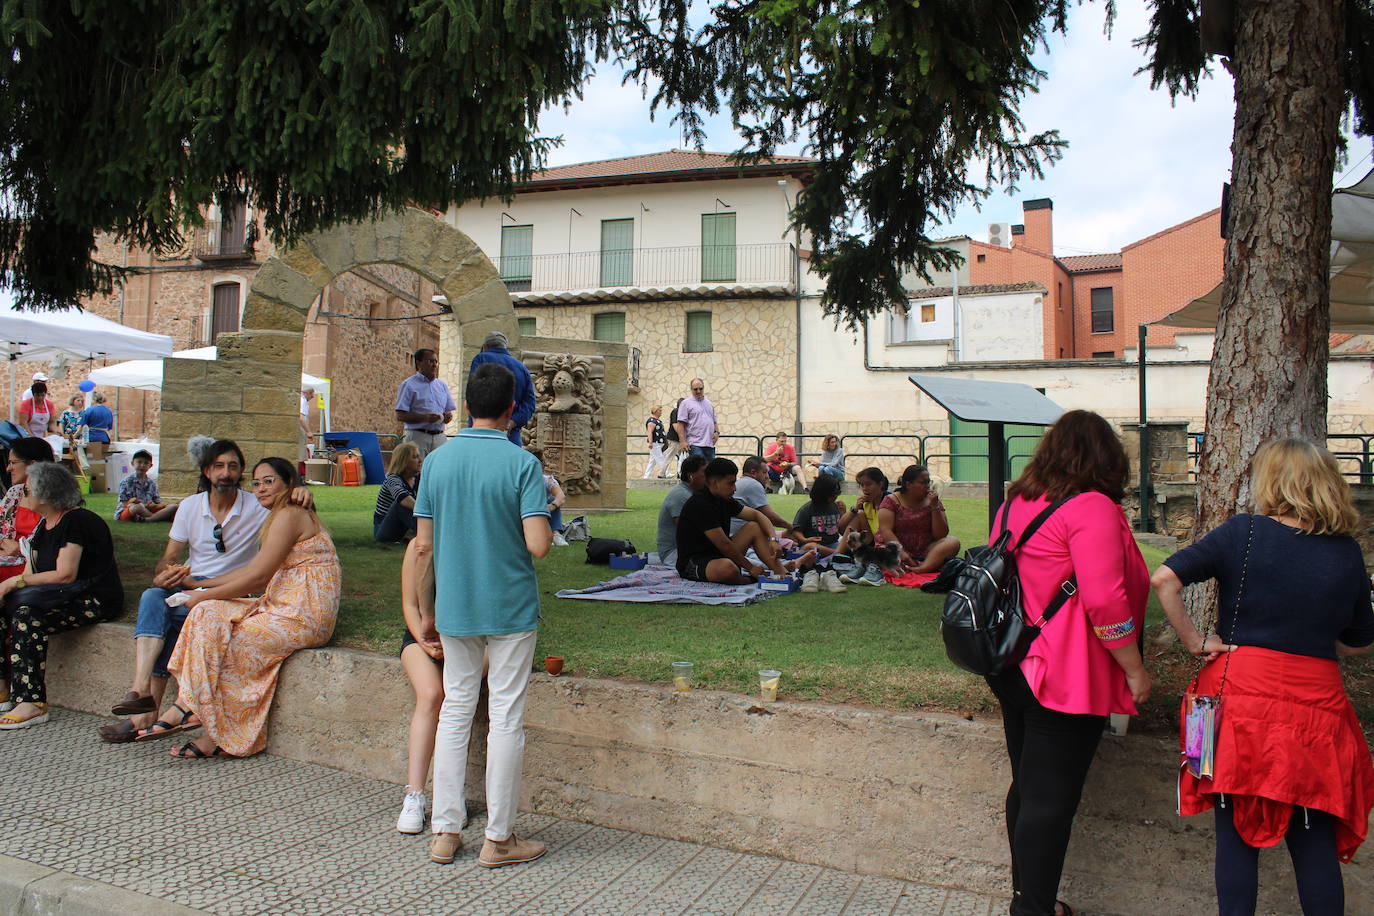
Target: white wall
(672,216)
(836,388)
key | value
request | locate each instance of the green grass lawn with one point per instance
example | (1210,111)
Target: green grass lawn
(871,646)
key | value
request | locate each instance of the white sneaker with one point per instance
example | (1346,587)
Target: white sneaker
(811,582)
(412,819)
(830,582)
(559,540)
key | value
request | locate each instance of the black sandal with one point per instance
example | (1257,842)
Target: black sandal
(1068,910)
(162,729)
(189,751)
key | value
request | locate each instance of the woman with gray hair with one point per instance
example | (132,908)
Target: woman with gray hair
(70,581)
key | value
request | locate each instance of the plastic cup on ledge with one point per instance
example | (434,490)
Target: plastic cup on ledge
(682,676)
(768,684)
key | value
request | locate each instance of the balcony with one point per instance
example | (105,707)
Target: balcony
(688,271)
(223,241)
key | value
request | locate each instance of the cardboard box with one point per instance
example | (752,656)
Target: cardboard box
(784,585)
(319,470)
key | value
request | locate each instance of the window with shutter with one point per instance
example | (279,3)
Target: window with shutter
(718,248)
(233,228)
(609,326)
(526,325)
(617,252)
(517,245)
(224,310)
(698,333)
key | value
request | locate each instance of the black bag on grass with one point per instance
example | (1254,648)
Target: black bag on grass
(983,624)
(600,550)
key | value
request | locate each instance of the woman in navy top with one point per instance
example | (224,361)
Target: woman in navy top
(1292,762)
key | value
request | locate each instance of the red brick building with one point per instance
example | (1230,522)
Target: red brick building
(1095,303)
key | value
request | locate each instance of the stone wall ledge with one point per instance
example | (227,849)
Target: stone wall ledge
(915,795)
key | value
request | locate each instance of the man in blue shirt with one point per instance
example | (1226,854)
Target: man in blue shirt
(494,351)
(481,516)
(424,405)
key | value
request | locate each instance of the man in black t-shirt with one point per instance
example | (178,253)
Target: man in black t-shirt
(705,553)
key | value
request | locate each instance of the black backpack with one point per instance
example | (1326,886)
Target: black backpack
(983,624)
(600,550)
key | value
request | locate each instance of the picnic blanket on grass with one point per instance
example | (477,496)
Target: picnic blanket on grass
(662,585)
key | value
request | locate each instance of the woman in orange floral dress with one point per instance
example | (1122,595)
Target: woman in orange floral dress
(232,647)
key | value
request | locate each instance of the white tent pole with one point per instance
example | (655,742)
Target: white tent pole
(12,370)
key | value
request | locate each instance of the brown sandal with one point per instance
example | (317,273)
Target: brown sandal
(134,704)
(121,732)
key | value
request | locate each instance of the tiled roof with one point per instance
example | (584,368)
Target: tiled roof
(676,163)
(1085,263)
(981,289)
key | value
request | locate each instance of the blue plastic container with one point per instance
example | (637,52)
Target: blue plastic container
(373,469)
(633,561)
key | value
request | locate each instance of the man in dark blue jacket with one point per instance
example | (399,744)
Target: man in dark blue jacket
(494,350)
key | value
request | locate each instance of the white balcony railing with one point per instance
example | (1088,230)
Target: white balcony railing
(688,265)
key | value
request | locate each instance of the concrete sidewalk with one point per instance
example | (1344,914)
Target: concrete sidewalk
(90,827)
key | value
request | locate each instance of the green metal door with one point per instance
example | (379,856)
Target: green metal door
(968,457)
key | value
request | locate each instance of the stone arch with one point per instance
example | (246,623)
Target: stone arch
(251,393)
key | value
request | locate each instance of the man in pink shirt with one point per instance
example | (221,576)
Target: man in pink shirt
(698,415)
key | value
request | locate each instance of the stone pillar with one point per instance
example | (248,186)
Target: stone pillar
(1168,466)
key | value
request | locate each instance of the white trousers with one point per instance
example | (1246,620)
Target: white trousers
(508,678)
(657,459)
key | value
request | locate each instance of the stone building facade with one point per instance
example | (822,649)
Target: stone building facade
(748,377)
(360,333)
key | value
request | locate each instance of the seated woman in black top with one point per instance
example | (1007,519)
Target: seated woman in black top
(706,554)
(394,520)
(70,546)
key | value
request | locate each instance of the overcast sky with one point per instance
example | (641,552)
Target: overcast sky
(1135,164)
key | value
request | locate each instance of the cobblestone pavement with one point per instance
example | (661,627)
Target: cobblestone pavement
(270,835)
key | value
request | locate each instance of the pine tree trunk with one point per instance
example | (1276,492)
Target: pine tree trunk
(1269,367)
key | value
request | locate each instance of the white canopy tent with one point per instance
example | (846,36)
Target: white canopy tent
(146,374)
(1352,268)
(73,334)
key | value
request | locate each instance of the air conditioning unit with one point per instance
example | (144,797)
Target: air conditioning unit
(999,234)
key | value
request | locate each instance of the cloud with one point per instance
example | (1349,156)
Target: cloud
(1136,162)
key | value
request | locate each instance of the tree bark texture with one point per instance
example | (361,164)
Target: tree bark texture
(1268,375)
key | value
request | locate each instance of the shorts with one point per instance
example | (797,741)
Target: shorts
(124,516)
(408,640)
(694,567)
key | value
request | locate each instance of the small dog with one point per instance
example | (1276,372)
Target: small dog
(787,484)
(860,545)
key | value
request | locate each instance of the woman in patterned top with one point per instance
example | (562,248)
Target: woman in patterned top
(393,520)
(16,521)
(232,647)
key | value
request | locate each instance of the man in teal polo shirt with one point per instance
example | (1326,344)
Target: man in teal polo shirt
(480,517)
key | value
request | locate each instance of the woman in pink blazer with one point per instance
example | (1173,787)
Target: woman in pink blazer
(1086,662)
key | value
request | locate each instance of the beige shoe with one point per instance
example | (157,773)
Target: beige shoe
(443,847)
(830,582)
(510,851)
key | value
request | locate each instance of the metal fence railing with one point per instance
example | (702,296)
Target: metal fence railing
(769,264)
(906,448)
(1354,452)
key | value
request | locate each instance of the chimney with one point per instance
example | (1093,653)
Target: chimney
(1039,217)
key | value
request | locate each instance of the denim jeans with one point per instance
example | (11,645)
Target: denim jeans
(556,519)
(158,620)
(706,451)
(395,525)
(831,471)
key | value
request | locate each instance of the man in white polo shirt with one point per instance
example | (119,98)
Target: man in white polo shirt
(217,529)
(424,404)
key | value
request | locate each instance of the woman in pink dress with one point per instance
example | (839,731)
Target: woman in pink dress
(232,647)
(1086,662)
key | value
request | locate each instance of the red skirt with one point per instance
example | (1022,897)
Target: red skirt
(1287,736)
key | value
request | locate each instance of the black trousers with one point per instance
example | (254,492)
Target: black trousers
(27,650)
(1311,841)
(1050,754)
